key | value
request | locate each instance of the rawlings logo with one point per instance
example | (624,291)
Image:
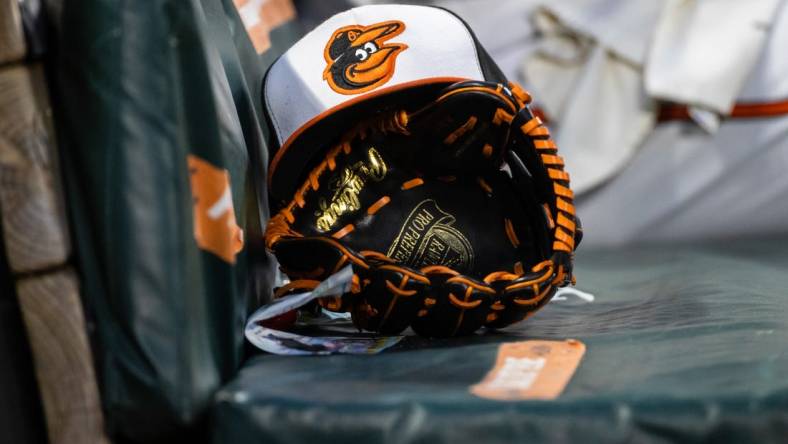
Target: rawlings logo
(359,60)
(347,186)
(428,238)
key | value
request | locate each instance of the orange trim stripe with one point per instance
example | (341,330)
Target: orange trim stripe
(539,131)
(398,291)
(544,144)
(462,280)
(530,125)
(510,233)
(558,174)
(342,261)
(549,159)
(501,276)
(413,183)
(566,222)
(560,246)
(565,206)
(501,116)
(526,284)
(521,94)
(549,215)
(535,300)
(439,269)
(462,304)
(485,186)
(562,236)
(376,255)
(408,273)
(668,112)
(464,128)
(298,284)
(343,232)
(483,89)
(375,207)
(563,191)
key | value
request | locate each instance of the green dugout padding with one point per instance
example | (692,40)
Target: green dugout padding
(140,88)
(684,344)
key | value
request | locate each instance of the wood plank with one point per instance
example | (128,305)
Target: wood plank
(33,218)
(62,357)
(12,37)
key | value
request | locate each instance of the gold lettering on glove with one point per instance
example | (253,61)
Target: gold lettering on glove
(428,237)
(347,186)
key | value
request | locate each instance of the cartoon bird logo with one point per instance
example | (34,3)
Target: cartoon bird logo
(359,60)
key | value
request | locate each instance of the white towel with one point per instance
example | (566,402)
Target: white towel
(602,65)
(703,51)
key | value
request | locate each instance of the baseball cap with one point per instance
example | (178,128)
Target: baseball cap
(354,64)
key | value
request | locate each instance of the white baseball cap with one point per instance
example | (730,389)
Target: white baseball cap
(356,63)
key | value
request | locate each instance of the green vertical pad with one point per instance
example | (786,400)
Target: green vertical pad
(149,96)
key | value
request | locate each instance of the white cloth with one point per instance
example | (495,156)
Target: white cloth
(592,61)
(686,184)
(587,75)
(702,51)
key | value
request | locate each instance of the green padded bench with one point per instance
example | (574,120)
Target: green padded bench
(686,344)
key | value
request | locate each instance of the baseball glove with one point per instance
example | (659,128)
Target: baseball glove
(454,216)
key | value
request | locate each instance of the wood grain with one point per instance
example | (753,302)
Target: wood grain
(37,247)
(33,221)
(63,361)
(12,37)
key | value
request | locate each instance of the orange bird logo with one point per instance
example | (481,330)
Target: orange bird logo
(358,58)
